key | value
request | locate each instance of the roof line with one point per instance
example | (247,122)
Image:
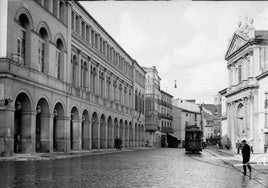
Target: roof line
(95,21)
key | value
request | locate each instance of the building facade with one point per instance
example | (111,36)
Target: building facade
(152,109)
(165,116)
(247,91)
(184,114)
(225,140)
(66,84)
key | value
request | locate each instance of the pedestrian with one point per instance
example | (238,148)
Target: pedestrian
(17,144)
(246,157)
(116,142)
(119,144)
(217,145)
(238,146)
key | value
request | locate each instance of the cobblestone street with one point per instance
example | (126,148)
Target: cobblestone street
(142,168)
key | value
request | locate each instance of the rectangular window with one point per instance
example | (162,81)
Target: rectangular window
(21,44)
(101,45)
(96,41)
(72,20)
(41,55)
(83,29)
(92,37)
(104,48)
(77,25)
(87,33)
(239,74)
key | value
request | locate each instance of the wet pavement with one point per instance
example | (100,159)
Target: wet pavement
(164,167)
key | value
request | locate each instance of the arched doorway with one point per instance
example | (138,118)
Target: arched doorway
(116,129)
(42,130)
(85,130)
(74,130)
(136,135)
(102,132)
(22,124)
(58,128)
(126,135)
(139,135)
(130,135)
(95,132)
(142,135)
(110,133)
(121,132)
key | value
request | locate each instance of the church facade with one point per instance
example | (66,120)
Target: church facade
(247,91)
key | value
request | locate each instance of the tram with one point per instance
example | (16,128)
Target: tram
(193,139)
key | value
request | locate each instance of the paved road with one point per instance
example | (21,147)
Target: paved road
(164,167)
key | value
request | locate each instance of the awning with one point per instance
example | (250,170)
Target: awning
(173,135)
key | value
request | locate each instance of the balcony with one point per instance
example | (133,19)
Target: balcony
(150,127)
(166,116)
(167,130)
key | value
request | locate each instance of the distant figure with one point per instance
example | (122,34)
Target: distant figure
(238,146)
(119,144)
(116,141)
(217,145)
(17,144)
(246,157)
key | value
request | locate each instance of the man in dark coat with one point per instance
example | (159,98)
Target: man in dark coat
(246,156)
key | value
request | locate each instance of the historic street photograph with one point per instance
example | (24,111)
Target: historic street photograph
(133,94)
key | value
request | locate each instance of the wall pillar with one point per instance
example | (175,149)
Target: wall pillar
(6,130)
(3,28)
(45,127)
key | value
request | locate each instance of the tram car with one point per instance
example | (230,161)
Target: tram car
(193,139)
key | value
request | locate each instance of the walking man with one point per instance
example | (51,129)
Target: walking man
(246,157)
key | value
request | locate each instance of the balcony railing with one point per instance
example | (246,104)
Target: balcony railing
(167,130)
(165,116)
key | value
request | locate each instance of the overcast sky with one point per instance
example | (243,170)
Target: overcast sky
(186,41)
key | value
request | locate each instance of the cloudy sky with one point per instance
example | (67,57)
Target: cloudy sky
(185,40)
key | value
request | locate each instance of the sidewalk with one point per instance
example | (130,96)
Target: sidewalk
(64,155)
(259,171)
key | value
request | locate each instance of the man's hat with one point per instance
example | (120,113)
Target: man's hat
(244,141)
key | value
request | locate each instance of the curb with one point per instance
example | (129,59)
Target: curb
(46,157)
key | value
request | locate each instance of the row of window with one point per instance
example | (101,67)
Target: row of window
(139,102)
(56,7)
(139,78)
(23,44)
(94,79)
(94,39)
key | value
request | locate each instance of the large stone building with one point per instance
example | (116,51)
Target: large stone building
(247,91)
(184,114)
(165,116)
(65,83)
(152,109)
(223,118)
